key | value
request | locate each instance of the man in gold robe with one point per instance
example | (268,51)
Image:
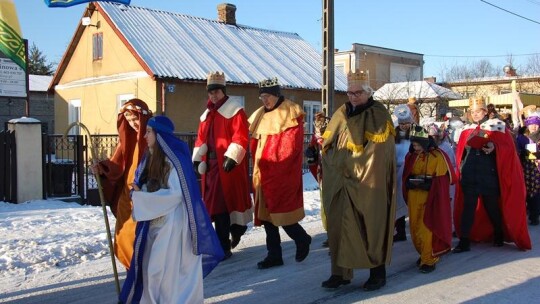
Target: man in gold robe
(359,166)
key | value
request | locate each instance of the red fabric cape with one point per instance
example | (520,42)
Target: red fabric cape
(437,214)
(511,201)
(235,184)
(281,170)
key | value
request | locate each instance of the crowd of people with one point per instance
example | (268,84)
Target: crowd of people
(477,181)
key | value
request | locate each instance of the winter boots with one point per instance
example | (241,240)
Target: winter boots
(463,245)
(400,235)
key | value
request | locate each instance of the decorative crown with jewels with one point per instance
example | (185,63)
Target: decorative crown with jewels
(215,78)
(267,83)
(477,103)
(358,77)
(419,132)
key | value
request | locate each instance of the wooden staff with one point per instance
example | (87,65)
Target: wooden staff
(101,198)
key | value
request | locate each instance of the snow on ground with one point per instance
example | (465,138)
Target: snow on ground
(56,252)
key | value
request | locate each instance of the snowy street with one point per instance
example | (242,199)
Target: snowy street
(55,252)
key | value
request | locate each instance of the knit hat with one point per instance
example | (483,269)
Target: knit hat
(533,119)
(215,80)
(270,86)
(403,114)
(161,124)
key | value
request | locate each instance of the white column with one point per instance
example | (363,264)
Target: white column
(29,158)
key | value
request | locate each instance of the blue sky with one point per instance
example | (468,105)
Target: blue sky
(447,32)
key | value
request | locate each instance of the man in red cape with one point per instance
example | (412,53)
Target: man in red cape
(220,157)
(277,132)
(483,138)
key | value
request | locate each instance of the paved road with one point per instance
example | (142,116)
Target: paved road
(484,275)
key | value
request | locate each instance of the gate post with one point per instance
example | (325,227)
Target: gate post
(29,158)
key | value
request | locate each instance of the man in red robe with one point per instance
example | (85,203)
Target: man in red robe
(276,146)
(219,155)
(490,197)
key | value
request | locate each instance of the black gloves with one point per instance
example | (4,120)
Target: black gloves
(228,164)
(196,166)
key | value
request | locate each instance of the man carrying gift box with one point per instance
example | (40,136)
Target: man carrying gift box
(490,173)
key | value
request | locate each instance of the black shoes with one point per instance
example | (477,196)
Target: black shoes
(269,262)
(498,240)
(400,237)
(334,282)
(235,240)
(463,245)
(534,222)
(374,283)
(228,254)
(302,250)
(325,244)
(427,268)
(418,262)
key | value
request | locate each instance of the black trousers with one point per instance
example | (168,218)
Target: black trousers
(533,206)
(491,204)
(224,228)
(273,240)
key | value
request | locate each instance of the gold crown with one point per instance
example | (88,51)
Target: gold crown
(476,103)
(528,110)
(215,78)
(357,77)
(267,83)
(419,133)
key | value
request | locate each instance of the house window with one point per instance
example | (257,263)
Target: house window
(97,46)
(122,99)
(74,114)
(310,107)
(239,99)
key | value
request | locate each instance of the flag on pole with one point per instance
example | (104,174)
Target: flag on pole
(66,3)
(517,106)
(11,41)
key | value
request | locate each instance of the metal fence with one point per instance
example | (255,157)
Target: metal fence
(67,162)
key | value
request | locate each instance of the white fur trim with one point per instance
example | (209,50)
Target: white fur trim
(236,152)
(229,108)
(198,152)
(203,116)
(493,124)
(196,156)
(202,168)
(203,149)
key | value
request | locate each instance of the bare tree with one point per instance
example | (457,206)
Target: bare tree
(532,66)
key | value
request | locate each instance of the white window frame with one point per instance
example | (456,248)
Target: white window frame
(311,107)
(121,99)
(74,114)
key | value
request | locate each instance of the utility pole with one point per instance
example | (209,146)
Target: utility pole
(328,78)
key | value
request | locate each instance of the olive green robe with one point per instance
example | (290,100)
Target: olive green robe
(359,195)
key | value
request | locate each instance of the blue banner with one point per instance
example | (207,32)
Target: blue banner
(67,3)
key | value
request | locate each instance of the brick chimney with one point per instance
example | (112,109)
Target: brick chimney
(227,13)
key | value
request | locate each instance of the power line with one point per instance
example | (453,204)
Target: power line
(482,56)
(534,2)
(510,12)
